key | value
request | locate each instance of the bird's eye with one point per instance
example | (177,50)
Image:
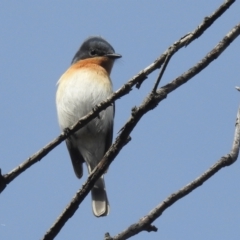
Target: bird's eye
(93,52)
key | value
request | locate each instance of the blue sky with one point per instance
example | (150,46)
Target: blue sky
(171,145)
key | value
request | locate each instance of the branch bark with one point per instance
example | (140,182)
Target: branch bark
(149,103)
(125,89)
(144,224)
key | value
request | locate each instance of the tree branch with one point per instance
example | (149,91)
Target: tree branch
(149,103)
(144,224)
(167,59)
(125,89)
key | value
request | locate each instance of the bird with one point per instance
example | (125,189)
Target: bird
(86,83)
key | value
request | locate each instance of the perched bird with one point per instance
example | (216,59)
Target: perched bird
(85,84)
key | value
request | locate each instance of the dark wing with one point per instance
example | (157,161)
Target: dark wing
(76,157)
(109,136)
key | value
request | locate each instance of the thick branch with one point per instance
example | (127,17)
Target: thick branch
(144,223)
(150,102)
(125,89)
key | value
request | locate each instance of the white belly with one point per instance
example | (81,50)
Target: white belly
(76,97)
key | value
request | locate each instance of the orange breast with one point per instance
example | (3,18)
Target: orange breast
(94,69)
(95,63)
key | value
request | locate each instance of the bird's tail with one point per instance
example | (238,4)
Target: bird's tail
(100,204)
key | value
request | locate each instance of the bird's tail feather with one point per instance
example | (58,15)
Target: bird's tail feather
(100,204)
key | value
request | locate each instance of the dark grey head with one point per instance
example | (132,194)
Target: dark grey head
(95,47)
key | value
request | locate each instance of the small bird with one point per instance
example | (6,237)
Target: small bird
(85,84)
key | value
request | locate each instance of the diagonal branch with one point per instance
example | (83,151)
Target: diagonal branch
(125,89)
(188,38)
(167,59)
(149,103)
(144,224)
(208,20)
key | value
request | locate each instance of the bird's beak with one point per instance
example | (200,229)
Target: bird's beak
(113,55)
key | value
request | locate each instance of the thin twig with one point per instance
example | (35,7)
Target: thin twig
(149,103)
(167,59)
(147,220)
(188,38)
